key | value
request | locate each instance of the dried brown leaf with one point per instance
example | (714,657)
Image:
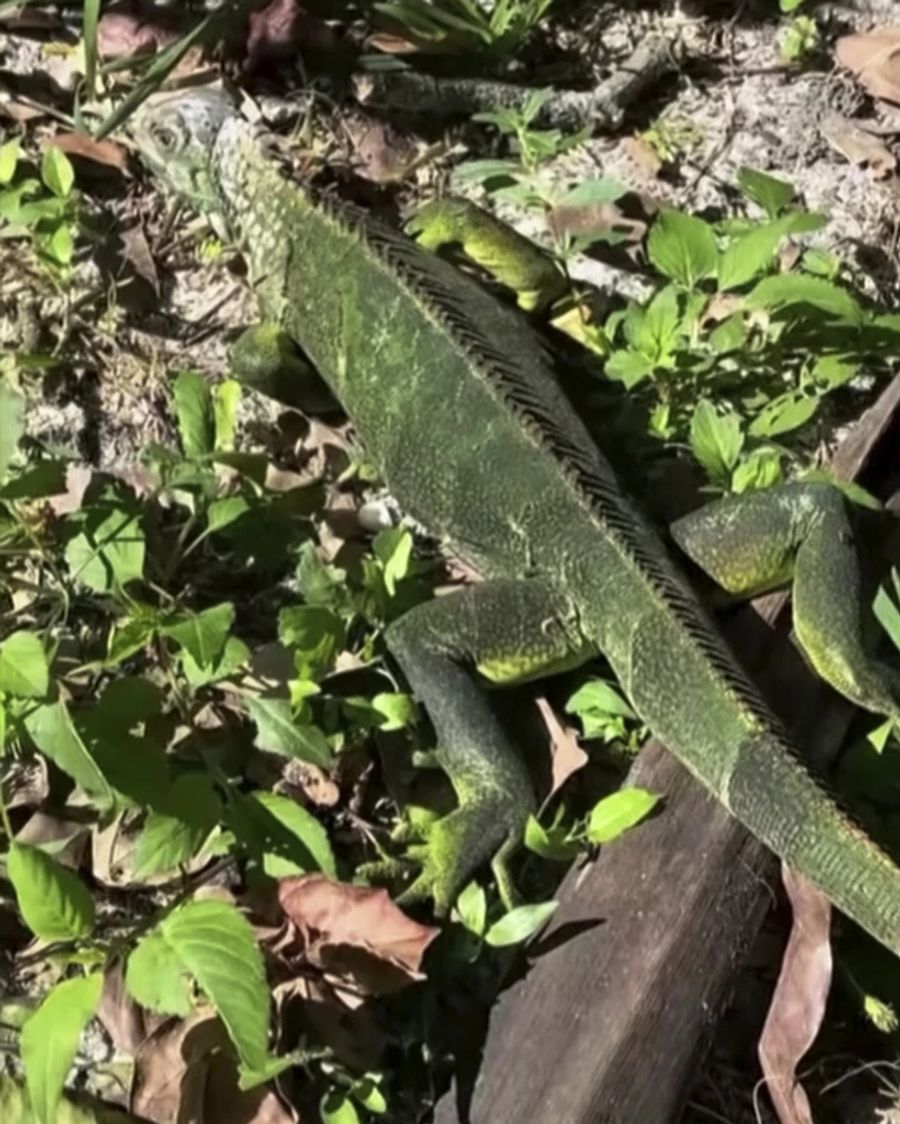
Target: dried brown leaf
(874,57)
(69,836)
(99,151)
(798,1005)
(123,35)
(355,934)
(124,1020)
(567,755)
(858,146)
(137,253)
(78,478)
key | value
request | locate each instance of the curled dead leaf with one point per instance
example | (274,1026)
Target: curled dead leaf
(86,147)
(567,755)
(874,57)
(798,1004)
(355,934)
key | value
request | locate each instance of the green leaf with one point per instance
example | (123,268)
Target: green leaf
(156,977)
(716,440)
(683,248)
(787,289)
(784,414)
(552,843)
(60,245)
(471,907)
(593,193)
(393,549)
(482,171)
(57,171)
(315,633)
(277,732)
(50,1040)
(12,426)
(234,656)
(337,1108)
(176,831)
(52,731)
(615,814)
(771,194)
(761,469)
(215,943)
(203,635)
(226,399)
(110,550)
(223,512)
(55,904)
(23,666)
(658,329)
(396,709)
(195,413)
(628,367)
(597,696)
(370,1096)
(750,255)
(307,847)
(519,924)
(9,159)
(887,614)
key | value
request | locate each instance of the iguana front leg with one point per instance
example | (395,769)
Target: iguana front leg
(266,358)
(799,533)
(511,258)
(502,632)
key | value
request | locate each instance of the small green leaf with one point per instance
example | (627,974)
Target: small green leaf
(55,904)
(306,846)
(716,440)
(771,194)
(750,255)
(175,832)
(598,696)
(519,924)
(761,469)
(615,814)
(12,426)
(226,399)
(783,414)
(370,1096)
(337,1108)
(471,907)
(57,171)
(223,512)
(658,330)
(683,248)
(593,193)
(393,549)
(787,289)
(551,843)
(52,731)
(628,367)
(50,1040)
(316,635)
(277,732)
(9,159)
(397,710)
(195,413)
(110,550)
(157,979)
(888,615)
(23,666)
(60,246)
(203,635)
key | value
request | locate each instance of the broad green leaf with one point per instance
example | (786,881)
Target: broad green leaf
(57,171)
(234,655)
(683,248)
(761,469)
(225,511)
(175,832)
(60,245)
(12,425)
(23,666)
(615,814)
(337,1108)
(854,492)
(215,943)
(594,696)
(628,367)
(550,843)
(52,731)
(203,635)
(305,847)
(129,701)
(46,478)
(131,634)
(771,194)
(278,732)
(226,399)
(50,1039)
(110,550)
(834,370)
(593,193)
(716,440)
(397,710)
(750,255)
(156,977)
(316,635)
(195,413)
(787,289)
(393,549)
(659,326)
(784,414)
(9,159)
(519,924)
(55,904)
(471,906)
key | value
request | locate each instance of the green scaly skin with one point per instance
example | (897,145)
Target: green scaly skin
(456,402)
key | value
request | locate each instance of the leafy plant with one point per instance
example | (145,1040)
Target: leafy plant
(45,209)
(798,39)
(496,28)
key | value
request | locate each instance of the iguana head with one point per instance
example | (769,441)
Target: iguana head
(176,135)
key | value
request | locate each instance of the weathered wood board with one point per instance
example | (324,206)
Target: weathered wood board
(624,988)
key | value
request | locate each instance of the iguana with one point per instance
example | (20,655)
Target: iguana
(456,400)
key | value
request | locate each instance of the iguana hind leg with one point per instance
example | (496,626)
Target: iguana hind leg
(799,533)
(503,631)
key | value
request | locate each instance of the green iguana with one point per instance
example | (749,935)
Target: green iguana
(456,401)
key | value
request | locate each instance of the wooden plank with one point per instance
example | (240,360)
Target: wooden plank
(621,993)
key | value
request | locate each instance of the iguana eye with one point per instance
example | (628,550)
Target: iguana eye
(166,139)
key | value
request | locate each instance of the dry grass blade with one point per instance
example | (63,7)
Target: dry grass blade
(798,1005)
